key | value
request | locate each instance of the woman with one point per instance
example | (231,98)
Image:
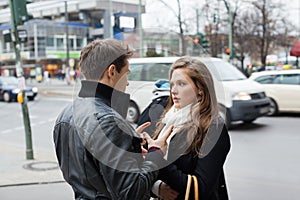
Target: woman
(199,142)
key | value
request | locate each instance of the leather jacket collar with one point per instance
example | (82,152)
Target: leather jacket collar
(116,99)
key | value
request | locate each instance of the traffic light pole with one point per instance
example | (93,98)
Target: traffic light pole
(19,73)
(230,33)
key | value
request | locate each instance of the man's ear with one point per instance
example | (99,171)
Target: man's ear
(111,71)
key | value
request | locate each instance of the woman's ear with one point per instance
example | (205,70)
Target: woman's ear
(200,93)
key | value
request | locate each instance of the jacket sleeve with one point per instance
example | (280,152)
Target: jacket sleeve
(117,148)
(207,169)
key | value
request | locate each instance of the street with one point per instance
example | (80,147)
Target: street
(263,162)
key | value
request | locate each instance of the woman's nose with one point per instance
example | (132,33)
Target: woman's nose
(173,90)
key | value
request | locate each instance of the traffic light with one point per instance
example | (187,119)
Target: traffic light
(227,51)
(201,41)
(196,40)
(204,42)
(20,11)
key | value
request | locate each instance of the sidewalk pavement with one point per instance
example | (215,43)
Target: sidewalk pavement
(15,169)
(55,86)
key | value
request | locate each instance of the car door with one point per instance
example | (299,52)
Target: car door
(287,88)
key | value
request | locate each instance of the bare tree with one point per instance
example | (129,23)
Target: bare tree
(267,18)
(180,21)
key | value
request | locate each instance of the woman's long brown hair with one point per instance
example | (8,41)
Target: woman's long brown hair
(207,108)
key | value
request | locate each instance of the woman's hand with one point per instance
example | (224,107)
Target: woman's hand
(167,193)
(142,127)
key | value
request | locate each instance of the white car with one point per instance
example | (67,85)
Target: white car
(240,99)
(282,87)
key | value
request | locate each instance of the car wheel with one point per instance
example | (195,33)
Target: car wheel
(248,121)
(273,108)
(224,113)
(6,97)
(30,98)
(133,113)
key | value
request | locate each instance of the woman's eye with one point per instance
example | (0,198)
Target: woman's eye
(181,83)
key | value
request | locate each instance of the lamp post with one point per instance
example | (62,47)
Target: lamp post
(18,12)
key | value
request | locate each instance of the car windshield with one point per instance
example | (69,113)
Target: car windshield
(149,71)
(224,71)
(9,81)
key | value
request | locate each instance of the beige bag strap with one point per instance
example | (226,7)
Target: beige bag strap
(188,187)
(196,187)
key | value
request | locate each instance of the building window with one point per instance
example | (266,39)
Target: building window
(60,43)
(50,43)
(79,43)
(71,43)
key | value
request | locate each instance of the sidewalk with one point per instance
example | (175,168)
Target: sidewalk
(16,170)
(56,87)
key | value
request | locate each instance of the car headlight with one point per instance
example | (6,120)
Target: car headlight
(16,91)
(34,89)
(242,96)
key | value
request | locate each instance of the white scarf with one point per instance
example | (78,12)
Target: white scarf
(177,118)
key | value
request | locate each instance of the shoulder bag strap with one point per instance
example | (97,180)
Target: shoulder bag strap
(188,187)
(196,192)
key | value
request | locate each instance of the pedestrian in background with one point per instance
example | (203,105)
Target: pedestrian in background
(199,142)
(99,152)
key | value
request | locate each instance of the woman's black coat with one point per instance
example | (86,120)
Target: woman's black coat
(208,167)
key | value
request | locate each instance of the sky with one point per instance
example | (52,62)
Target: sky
(158,15)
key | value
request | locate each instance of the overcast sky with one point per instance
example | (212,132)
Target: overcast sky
(158,15)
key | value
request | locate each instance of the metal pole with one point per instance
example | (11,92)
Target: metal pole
(299,20)
(36,46)
(197,20)
(230,33)
(141,29)
(67,34)
(111,31)
(19,72)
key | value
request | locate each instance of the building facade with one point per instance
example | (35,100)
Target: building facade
(52,40)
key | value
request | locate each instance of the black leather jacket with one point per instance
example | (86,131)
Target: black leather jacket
(98,151)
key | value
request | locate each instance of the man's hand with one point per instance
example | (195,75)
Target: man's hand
(161,141)
(139,130)
(167,193)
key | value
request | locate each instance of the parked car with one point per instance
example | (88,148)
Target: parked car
(240,98)
(283,89)
(9,89)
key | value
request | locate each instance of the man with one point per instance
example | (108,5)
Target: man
(99,152)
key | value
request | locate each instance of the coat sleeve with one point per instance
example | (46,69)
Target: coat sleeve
(117,149)
(207,169)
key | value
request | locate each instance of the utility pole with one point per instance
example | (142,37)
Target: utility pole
(67,36)
(111,30)
(230,32)
(197,21)
(141,29)
(18,16)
